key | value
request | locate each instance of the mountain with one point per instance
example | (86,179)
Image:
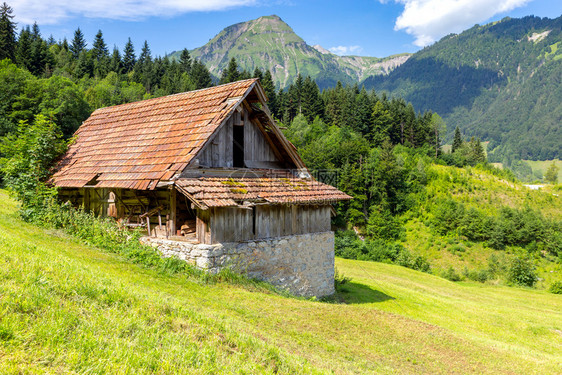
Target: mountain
(269,43)
(501,82)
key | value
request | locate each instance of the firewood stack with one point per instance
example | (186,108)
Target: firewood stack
(188,228)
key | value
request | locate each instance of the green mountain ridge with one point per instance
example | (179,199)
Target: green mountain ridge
(270,44)
(501,82)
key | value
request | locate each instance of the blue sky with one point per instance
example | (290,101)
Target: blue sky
(363,27)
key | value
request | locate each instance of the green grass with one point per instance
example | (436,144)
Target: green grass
(69,308)
(542,165)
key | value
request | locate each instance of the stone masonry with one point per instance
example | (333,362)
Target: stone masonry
(302,264)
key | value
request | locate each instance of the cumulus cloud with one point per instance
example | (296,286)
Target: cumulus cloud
(54,11)
(429,20)
(346,50)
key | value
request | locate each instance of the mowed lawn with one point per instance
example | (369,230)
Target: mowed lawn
(69,308)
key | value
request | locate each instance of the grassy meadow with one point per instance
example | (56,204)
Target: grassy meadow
(542,165)
(69,308)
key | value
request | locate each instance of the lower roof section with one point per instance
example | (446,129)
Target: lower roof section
(206,192)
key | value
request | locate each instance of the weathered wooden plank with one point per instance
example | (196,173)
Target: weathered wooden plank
(297,219)
(229,136)
(172,224)
(288,221)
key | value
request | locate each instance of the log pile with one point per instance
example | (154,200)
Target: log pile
(188,227)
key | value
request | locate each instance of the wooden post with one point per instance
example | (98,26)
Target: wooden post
(86,199)
(148,225)
(172,211)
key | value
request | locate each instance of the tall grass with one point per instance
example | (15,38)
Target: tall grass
(104,233)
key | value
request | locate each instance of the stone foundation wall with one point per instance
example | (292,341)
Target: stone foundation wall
(302,264)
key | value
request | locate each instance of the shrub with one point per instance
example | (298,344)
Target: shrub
(478,275)
(451,275)
(458,249)
(421,264)
(382,224)
(556,287)
(340,280)
(521,272)
(348,245)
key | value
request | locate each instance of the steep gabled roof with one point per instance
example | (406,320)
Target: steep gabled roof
(136,145)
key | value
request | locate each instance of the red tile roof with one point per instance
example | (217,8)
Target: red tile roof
(136,145)
(229,192)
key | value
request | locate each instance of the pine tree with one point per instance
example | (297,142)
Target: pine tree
(146,70)
(269,88)
(84,65)
(335,103)
(39,52)
(381,123)
(116,64)
(258,74)
(145,55)
(99,49)
(200,75)
(312,105)
(363,113)
(23,51)
(129,59)
(185,61)
(457,140)
(100,55)
(479,154)
(7,33)
(231,73)
(78,43)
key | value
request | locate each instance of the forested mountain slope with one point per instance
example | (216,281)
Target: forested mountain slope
(270,44)
(501,82)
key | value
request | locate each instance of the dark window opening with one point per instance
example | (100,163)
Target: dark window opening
(238,146)
(186,217)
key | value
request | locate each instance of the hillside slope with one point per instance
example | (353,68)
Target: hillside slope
(68,308)
(477,188)
(270,44)
(501,82)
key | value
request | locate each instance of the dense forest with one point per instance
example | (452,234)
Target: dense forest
(500,82)
(378,149)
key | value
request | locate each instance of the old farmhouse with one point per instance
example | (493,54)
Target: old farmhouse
(212,180)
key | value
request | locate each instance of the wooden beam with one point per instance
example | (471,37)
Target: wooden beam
(172,211)
(151,212)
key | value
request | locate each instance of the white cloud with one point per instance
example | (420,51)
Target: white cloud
(346,50)
(429,20)
(54,11)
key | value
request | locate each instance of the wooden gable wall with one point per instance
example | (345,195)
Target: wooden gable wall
(258,152)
